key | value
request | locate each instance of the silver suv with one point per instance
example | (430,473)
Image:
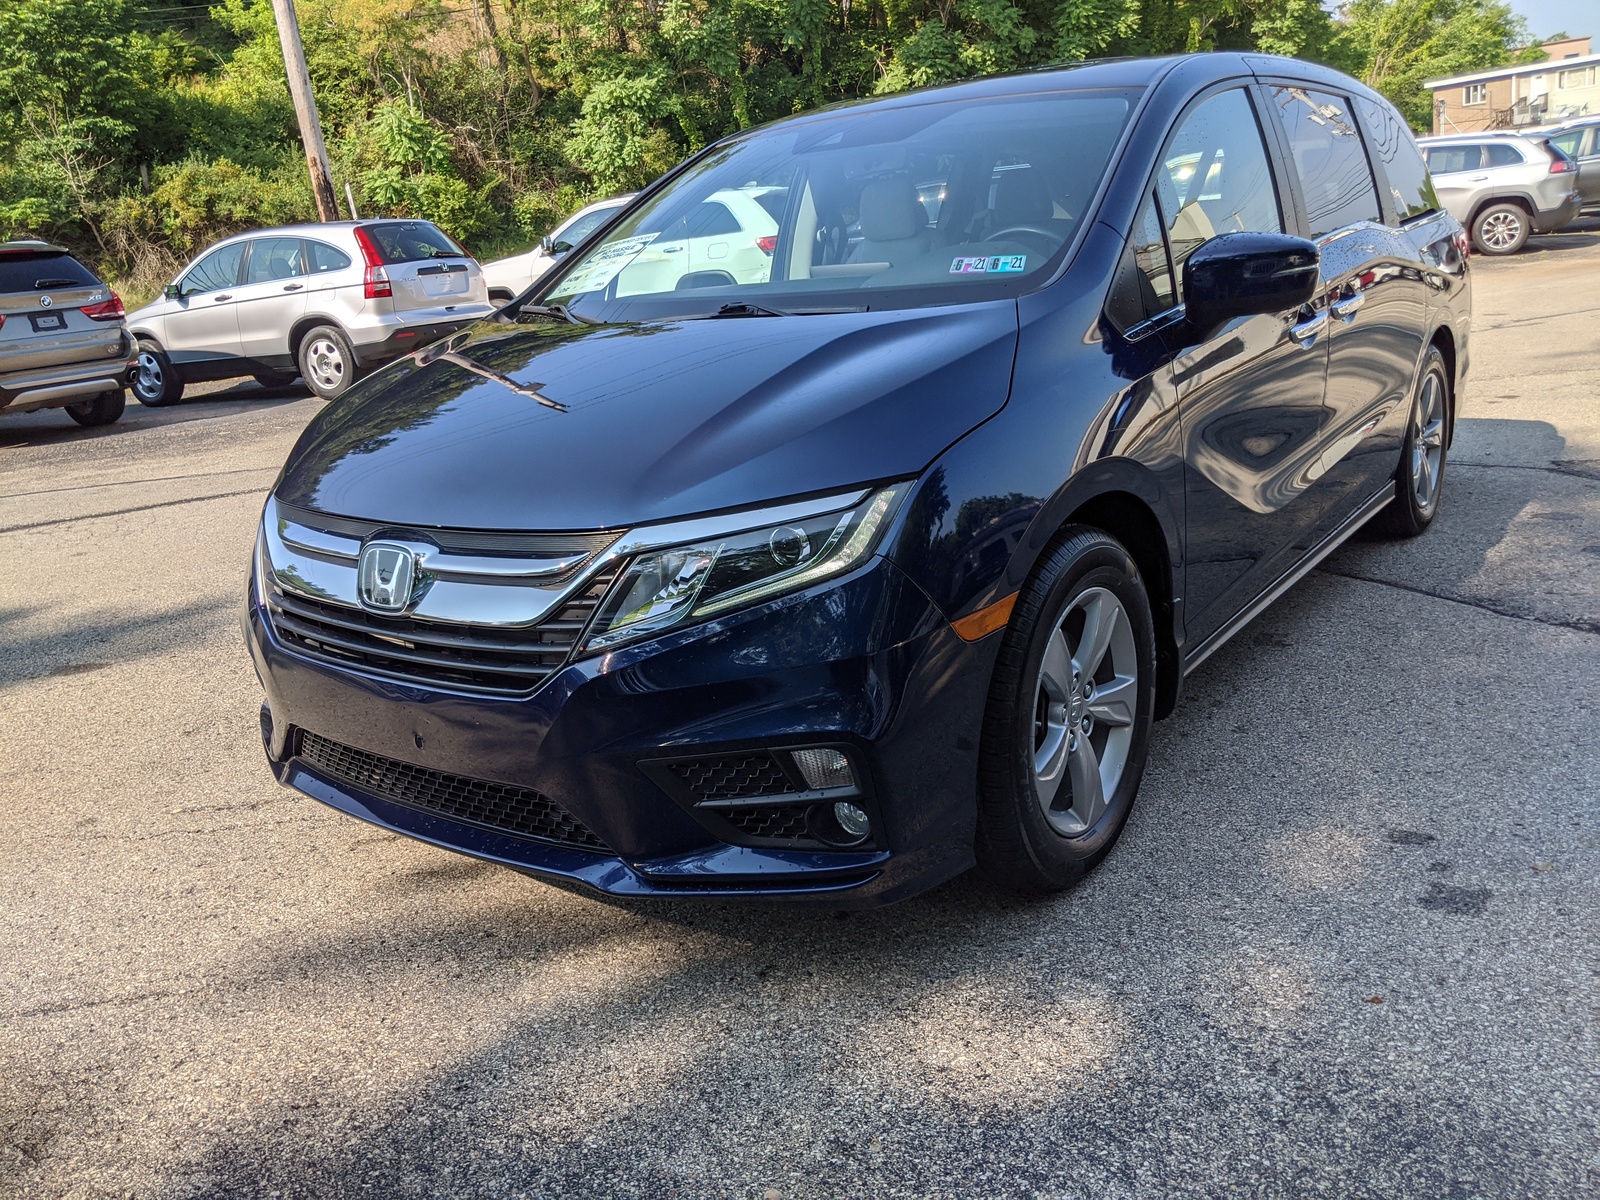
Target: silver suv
(1502,187)
(325,302)
(62,339)
(1580,140)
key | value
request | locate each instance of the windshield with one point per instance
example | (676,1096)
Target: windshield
(934,203)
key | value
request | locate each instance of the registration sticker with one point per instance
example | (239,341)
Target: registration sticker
(990,264)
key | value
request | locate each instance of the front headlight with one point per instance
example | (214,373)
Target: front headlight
(723,571)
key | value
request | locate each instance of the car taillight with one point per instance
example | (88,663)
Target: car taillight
(375,281)
(106,310)
(2,321)
(1560,166)
(1463,243)
(767,244)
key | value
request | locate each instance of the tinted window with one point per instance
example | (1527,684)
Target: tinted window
(274,258)
(1215,178)
(1335,177)
(1143,285)
(1409,185)
(1568,142)
(712,219)
(1501,155)
(584,226)
(855,229)
(33,271)
(411,241)
(1445,160)
(327,258)
(217,270)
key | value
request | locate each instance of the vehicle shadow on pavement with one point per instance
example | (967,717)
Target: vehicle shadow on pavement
(52,426)
(96,643)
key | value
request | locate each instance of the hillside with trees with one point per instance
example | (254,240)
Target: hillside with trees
(140,130)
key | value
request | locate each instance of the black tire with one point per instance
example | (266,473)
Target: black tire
(156,382)
(1416,498)
(327,363)
(1019,846)
(1501,228)
(276,379)
(101,409)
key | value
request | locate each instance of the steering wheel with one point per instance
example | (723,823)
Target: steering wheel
(1052,239)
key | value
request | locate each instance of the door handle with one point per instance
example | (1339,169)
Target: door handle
(293,287)
(670,249)
(1347,308)
(1305,332)
(221,298)
(1477,178)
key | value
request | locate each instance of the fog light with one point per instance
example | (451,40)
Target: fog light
(825,769)
(851,819)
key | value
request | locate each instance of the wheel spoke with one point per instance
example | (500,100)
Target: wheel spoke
(1088,797)
(1055,673)
(1049,763)
(1114,703)
(1100,615)
(1433,434)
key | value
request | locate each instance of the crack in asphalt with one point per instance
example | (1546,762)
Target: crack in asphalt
(118,512)
(1557,316)
(1579,625)
(83,487)
(1568,467)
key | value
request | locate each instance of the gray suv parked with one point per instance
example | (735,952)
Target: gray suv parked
(1502,187)
(326,302)
(62,339)
(1580,140)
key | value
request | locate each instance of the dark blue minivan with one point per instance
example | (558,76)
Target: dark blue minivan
(842,513)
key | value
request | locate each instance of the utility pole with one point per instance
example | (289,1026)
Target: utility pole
(305,110)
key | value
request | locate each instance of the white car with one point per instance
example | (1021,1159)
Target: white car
(325,302)
(510,277)
(728,238)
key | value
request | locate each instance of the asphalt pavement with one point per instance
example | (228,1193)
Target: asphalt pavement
(1347,947)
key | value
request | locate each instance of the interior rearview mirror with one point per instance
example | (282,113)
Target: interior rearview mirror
(1245,274)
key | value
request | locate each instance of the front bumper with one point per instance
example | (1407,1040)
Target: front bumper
(866,663)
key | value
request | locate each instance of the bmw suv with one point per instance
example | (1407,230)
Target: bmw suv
(834,580)
(324,302)
(62,339)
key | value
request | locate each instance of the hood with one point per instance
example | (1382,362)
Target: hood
(558,427)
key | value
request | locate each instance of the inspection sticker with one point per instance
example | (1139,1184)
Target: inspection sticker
(989,264)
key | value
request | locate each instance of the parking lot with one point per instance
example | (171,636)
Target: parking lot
(1347,947)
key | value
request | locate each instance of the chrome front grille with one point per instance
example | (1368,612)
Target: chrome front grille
(496,612)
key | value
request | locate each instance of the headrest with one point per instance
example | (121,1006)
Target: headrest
(1021,198)
(890,210)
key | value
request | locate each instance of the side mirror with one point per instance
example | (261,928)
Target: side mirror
(1246,274)
(170,291)
(552,247)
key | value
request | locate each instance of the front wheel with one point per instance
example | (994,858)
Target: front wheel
(101,409)
(1068,721)
(1419,480)
(1501,229)
(327,363)
(156,381)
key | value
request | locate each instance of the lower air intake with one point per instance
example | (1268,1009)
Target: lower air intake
(520,812)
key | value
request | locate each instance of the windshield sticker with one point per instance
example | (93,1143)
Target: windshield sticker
(606,262)
(991,264)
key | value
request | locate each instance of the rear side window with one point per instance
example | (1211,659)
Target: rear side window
(1568,142)
(326,258)
(1446,160)
(275,258)
(36,270)
(1409,185)
(217,270)
(1501,155)
(712,219)
(412,241)
(1335,177)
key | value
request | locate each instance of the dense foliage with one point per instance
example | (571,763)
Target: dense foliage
(140,130)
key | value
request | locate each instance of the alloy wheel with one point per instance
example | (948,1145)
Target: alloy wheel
(325,361)
(150,380)
(1088,694)
(1427,441)
(1500,230)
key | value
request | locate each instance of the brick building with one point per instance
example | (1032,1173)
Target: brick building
(1565,85)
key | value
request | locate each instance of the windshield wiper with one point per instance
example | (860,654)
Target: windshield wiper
(559,311)
(746,309)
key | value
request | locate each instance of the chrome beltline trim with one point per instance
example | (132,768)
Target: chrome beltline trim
(1329,544)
